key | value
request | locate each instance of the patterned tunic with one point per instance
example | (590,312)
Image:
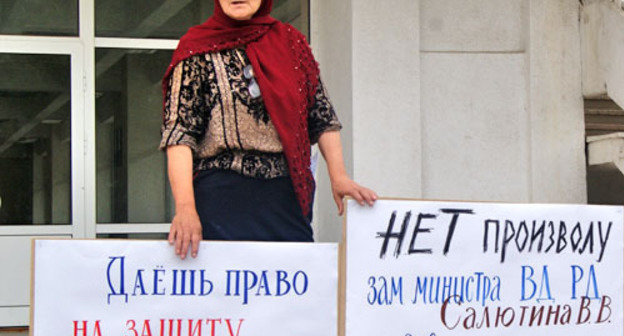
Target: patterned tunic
(210,107)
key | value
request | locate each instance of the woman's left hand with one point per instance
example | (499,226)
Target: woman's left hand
(344,186)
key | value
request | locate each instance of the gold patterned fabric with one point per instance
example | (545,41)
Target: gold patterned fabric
(209,108)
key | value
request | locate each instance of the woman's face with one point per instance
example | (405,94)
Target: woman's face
(240,9)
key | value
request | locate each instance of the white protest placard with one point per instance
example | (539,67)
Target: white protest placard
(115,288)
(424,268)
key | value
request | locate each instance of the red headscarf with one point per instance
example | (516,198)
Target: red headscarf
(286,73)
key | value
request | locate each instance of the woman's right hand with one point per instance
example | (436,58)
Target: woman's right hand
(185,227)
(185,232)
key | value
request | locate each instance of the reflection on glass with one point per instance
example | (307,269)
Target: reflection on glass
(172,18)
(141,236)
(39,17)
(131,173)
(294,12)
(149,18)
(35,139)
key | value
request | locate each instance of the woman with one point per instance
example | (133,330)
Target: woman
(243,104)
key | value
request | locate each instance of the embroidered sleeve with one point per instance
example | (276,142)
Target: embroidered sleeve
(184,119)
(321,117)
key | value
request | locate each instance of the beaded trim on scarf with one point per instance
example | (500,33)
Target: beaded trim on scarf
(299,164)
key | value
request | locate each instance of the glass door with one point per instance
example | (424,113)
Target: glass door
(80,113)
(41,166)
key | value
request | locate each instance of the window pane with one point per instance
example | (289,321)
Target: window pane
(35,139)
(39,17)
(172,18)
(294,12)
(137,236)
(149,18)
(131,173)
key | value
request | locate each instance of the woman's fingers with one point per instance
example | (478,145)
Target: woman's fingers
(172,235)
(355,193)
(185,245)
(369,196)
(185,241)
(185,234)
(339,203)
(363,196)
(195,244)
(178,243)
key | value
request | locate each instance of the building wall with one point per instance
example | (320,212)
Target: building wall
(334,53)
(602,26)
(440,99)
(556,103)
(471,100)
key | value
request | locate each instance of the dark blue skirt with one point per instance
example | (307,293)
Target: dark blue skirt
(235,207)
